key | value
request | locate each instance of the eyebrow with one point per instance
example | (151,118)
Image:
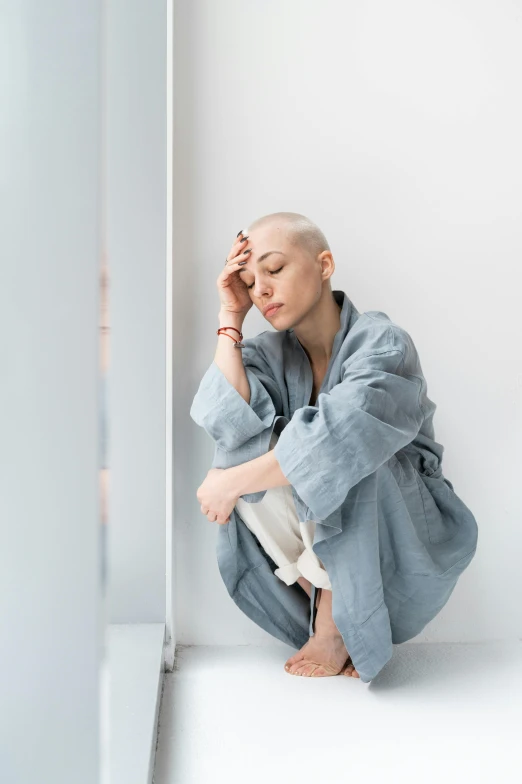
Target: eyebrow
(264,256)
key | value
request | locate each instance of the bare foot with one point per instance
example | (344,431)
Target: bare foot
(325,653)
(322,655)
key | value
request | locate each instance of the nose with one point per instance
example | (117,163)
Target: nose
(261,287)
(261,291)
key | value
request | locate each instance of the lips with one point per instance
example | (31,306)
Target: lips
(270,309)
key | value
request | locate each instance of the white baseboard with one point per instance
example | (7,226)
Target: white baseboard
(132,682)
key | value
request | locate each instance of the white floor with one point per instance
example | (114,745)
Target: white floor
(436,713)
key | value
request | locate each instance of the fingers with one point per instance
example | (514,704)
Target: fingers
(238,251)
(233,267)
(238,244)
(209,516)
(232,264)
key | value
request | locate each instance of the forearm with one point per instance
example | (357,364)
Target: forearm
(228,358)
(259,474)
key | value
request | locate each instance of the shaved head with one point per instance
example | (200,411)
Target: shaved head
(287,273)
(290,264)
(301,231)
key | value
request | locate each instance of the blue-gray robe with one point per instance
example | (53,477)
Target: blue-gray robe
(363,463)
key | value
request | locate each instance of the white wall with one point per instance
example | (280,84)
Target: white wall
(52,624)
(396,127)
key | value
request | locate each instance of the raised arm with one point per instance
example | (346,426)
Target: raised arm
(228,358)
(237,397)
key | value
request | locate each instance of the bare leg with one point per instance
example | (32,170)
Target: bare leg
(305,584)
(324,654)
(325,625)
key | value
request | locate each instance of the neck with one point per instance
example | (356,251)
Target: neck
(317,331)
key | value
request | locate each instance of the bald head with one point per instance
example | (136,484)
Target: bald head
(300,231)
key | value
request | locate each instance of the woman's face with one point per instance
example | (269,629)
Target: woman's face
(288,276)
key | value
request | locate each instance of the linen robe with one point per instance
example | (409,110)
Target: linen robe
(363,463)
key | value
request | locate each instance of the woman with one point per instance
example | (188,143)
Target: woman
(331,478)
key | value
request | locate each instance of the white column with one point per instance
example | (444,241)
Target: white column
(51,629)
(137,241)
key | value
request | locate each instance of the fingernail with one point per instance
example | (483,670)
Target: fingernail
(239,232)
(240,263)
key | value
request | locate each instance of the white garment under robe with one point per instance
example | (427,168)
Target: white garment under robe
(275,523)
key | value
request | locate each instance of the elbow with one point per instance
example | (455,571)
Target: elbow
(222,431)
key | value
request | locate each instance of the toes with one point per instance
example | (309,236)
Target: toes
(293,660)
(300,665)
(318,670)
(350,671)
(348,667)
(298,668)
(294,667)
(312,669)
(305,668)
(308,669)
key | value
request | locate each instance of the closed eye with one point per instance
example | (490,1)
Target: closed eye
(272,272)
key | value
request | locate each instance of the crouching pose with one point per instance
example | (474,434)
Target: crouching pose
(339,533)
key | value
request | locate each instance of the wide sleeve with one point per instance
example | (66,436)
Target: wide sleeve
(219,408)
(374,411)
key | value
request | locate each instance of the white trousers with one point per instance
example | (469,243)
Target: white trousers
(273,520)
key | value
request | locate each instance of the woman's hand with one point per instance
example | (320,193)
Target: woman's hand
(233,293)
(216,496)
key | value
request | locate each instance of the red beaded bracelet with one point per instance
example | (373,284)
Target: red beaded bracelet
(237,343)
